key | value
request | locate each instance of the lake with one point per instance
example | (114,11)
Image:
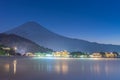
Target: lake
(23,68)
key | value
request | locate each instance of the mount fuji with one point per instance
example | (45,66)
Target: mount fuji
(44,37)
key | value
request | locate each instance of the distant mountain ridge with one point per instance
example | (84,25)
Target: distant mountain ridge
(42,36)
(23,45)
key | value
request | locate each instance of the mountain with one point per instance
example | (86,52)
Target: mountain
(42,36)
(23,45)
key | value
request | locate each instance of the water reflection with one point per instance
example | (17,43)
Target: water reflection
(7,67)
(64,68)
(107,69)
(14,66)
(10,67)
(97,68)
(57,68)
(19,69)
(61,67)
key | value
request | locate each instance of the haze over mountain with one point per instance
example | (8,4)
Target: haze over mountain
(23,45)
(42,36)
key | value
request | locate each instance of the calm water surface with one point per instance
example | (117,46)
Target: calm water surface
(59,69)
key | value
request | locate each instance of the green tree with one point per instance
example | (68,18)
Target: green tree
(103,54)
(2,52)
(12,52)
(77,54)
(117,54)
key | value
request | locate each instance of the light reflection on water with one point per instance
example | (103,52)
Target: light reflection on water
(7,67)
(14,66)
(59,69)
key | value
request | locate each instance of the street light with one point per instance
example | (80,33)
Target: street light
(15,48)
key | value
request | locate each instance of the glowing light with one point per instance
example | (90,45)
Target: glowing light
(48,55)
(7,67)
(82,56)
(57,68)
(14,66)
(61,67)
(15,48)
(64,68)
(38,55)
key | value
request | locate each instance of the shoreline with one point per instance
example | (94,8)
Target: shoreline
(35,57)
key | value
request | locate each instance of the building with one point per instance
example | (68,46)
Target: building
(64,53)
(110,55)
(29,54)
(96,55)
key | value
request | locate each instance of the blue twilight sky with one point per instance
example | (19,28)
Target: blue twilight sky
(92,20)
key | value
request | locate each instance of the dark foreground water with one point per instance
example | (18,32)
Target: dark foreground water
(59,69)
